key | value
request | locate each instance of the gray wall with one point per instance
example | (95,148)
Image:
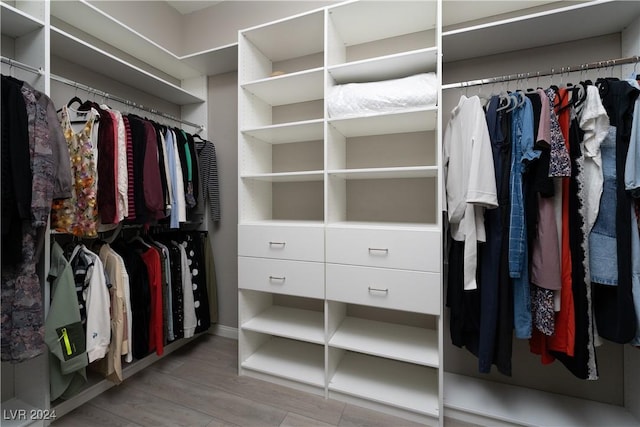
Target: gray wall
(154,19)
(205,29)
(223,131)
(218,25)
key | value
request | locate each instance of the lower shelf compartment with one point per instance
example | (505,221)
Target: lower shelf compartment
(289,322)
(289,359)
(399,384)
(485,402)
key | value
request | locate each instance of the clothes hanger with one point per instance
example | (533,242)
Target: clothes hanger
(139,239)
(518,100)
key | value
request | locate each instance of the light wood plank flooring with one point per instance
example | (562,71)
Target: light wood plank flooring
(198,385)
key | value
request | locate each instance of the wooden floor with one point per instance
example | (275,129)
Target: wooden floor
(198,385)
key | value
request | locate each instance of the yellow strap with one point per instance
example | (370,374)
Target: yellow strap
(67,344)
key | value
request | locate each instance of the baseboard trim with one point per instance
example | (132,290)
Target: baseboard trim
(224,331)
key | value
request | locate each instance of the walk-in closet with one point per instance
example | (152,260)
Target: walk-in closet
(361,212)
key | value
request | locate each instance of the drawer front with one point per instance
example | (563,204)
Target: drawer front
(283,242)
(305,279)
(403,249)
(394,289)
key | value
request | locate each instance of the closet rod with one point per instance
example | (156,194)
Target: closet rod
(23,66)
(573,68)
(125,101)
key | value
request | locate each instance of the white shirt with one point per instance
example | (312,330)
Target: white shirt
(469,179)
(595,124)
(97,303)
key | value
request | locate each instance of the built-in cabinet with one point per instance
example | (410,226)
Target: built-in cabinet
(339,232)
(340,261)
(42,45)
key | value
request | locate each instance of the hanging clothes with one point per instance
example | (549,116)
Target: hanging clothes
(34,170)
(496,296)
(63,329)
(522,152)
(78,215)
(613,305)
(209,183)
(151,258)
(93,300)
(119,279)
(471,186)
(632,184)
(16,174)
(469,179)
(140,298)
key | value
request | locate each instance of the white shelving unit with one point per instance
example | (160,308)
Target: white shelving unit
(308,183)
(517,35)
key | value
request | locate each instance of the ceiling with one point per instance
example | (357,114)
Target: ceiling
(188,6)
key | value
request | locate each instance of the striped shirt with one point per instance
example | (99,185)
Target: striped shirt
(209,177)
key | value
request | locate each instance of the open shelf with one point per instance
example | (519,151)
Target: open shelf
(386,173)
(304,176)
(16,23)
(293,360)
(210,62)
(277,90)
(485,402)
(359,23)
(308,130)
(287,322)
(423,119)
(305,36)
(596,18)
(405,343)
(92,20)
(386,67)
(399,384)
(72,49)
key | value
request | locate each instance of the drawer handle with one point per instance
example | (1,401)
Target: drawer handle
(386,291)
(280,278)
(385,250)
(277,243)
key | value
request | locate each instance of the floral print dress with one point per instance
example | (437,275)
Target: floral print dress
(78,215)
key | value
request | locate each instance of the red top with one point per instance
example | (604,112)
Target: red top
(151,258)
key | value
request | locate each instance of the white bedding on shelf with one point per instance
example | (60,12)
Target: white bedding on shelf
(358,99)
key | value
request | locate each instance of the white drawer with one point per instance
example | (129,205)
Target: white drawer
(403,249)
(281,241)
(394,289)
(299,278)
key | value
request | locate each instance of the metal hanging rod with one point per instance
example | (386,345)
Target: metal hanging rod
(23,66)
(125,101)
(553,71)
